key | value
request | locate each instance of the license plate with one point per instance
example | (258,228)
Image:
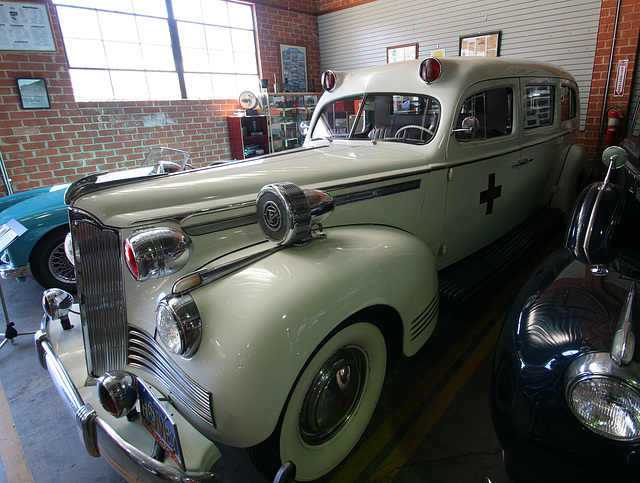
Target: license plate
(159,423)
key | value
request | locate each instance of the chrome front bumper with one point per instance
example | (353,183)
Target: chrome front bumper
(9,272)
(101,439)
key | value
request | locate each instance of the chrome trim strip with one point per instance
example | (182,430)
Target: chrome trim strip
(378,192)
(146,354)
(425,319)
(99,438)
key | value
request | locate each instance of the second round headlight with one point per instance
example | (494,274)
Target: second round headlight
(607,406)
(179,325)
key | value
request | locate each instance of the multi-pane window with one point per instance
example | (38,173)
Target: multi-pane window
(493,110)
(538,106)
(158,49)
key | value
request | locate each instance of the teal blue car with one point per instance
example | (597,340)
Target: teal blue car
(40,249)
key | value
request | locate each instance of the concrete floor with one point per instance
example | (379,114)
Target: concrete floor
(432,424)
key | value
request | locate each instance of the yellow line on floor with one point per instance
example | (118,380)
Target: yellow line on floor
(15,465)
(401,453)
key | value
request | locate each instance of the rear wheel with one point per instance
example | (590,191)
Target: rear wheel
(49,264)
(330,405)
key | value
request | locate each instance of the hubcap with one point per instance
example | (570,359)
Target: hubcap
(333,396)
(60,266)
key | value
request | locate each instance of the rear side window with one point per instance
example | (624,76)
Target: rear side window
(538,106)
(494,111)
(568,103)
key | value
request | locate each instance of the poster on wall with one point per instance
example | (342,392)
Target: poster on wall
(25,26)
(294,68)
(480,45)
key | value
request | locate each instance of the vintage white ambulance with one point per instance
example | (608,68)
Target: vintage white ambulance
(255,303)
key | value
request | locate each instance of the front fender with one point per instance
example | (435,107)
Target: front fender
(262,324)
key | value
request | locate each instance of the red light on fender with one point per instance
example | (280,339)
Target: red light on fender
(130,259)
(430,70)
(329,80)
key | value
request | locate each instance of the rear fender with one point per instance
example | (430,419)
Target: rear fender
(262,324)
(571,180)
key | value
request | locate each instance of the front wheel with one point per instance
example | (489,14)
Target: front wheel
(330,405)
(49,264)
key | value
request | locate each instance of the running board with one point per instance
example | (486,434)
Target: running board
(462,279)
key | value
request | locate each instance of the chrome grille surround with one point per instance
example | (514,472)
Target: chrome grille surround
(101,291)
(110,342)
(145,354)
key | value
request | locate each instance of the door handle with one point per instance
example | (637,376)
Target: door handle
(521,162)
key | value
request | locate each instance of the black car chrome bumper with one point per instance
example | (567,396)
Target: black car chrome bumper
(99,438)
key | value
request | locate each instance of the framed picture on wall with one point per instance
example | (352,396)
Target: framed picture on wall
(33,94)
(293,60)
(400,53)
(480,45)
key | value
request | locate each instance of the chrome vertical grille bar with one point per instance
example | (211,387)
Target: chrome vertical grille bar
(100,286)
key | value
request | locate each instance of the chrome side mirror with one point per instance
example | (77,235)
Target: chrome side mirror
(469,125)
(613,157)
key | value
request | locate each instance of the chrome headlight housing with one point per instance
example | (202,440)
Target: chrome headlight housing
(157,252)
(604,397)
(178,325)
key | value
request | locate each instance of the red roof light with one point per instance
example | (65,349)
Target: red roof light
(430,70)
(329,80)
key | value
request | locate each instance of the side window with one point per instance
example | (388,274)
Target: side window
(494,111)
(538,106)
(568,103)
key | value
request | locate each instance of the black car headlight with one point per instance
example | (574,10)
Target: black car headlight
(179,325)
(604,397)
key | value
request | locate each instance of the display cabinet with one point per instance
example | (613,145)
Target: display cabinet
(290,117)
(248,136)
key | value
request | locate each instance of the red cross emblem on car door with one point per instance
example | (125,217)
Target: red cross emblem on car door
(491,193)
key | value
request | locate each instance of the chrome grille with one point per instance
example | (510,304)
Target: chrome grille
(145,354)
(100,286)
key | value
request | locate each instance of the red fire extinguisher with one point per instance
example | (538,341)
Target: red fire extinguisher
(613,125)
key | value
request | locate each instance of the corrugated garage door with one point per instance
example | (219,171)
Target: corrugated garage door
(562,32)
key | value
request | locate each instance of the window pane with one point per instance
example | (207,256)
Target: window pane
(163,85)
(195,60)
(157,57)
(191,35)
(91,85)
(225,86)
(222,62)
(118,26)
(240,16)
(79,24)
(129,85)
(121,55)
(187,10)
(153,31)
(198,86)
(218,38)
(245,63)
(215,12)
(85,53)
(538,106)
(243,41)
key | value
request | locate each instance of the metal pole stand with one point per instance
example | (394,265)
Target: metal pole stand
(10,332)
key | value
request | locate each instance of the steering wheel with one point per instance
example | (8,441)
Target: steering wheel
(414,126)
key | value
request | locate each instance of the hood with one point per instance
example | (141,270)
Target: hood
(325,167)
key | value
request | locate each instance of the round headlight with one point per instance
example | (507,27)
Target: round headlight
(179,325)
(607,406)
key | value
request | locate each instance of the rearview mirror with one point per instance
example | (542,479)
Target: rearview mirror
(614,157)
(469,125)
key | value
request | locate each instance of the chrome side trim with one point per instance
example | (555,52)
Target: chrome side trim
(146,354)
(425,319)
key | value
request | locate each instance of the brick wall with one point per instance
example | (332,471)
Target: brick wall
(626,46)
(70,140)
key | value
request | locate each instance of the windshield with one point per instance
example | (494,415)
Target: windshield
(384,117)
